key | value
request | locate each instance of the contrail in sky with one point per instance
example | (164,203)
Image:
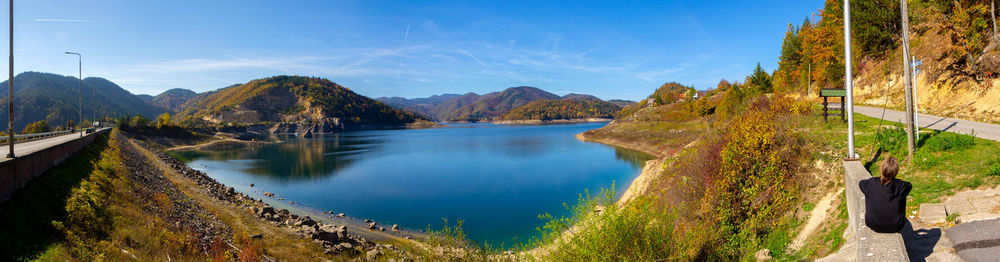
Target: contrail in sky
(65,20)
(407,34)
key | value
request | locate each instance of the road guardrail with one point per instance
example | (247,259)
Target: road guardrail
(30,137)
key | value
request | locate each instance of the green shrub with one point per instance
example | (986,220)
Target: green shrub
(756,182)
(950,141)
(995,171)
(808,206)
(892,140)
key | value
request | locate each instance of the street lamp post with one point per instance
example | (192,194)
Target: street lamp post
(10,88)
(849,80)
(81,89)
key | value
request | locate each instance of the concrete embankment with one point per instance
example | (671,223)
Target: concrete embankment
(15,173)
(864,244)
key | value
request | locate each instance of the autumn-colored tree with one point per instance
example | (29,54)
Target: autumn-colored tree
(791,57)
(37,127)
(731,103)
(723,85)
(139,121)
(163,120)
(970,24)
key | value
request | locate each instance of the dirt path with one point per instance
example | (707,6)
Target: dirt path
(816,217)
(206,144)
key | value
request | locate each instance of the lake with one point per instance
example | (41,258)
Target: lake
(497,178)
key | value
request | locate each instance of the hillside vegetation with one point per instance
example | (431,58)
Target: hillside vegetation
(516,103)
(954,39)
(428,106)
(173,99)
(290,98)
(55,99)
(492,105)
(563,109)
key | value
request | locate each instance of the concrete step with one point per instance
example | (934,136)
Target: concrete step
(934,213)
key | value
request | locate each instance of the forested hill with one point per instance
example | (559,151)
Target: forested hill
(173,99)
(56,100)
(428,106)
(547,109)
(954,39)
(287,99)
(493,105)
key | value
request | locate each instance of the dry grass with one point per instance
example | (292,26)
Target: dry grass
(277,242)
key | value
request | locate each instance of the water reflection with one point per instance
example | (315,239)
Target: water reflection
(634,158)
(497,178)
(298,158)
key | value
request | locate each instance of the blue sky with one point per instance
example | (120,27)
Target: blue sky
(612,49)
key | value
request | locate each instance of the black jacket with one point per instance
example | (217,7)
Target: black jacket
(885,205)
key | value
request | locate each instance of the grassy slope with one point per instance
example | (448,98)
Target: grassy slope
(25,217)
(280,242)
(946,163)
(935,172)
(31,216)
(649,132)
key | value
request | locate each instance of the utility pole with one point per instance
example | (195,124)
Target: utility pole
(916,102)
(81,90)
(849,79)
(10,88)
(907,77)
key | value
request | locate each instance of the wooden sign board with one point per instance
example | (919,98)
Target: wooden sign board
(833,92)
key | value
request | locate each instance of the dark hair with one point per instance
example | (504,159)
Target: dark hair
(889,168)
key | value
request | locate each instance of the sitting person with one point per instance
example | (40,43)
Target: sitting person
(885,199)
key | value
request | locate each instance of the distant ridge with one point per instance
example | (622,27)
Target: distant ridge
(56,99)
(472,107)
(293,99)
(173,99)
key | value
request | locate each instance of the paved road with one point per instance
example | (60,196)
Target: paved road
(987,131)
(977,240)
(24,148)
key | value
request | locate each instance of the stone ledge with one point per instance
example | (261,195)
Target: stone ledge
(871,246)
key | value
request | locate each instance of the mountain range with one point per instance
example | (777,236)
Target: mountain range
(472,107)
(326,105)
(56,99)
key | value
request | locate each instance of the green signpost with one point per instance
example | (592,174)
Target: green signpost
(826,94)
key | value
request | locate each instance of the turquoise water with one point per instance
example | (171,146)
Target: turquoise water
(497,178)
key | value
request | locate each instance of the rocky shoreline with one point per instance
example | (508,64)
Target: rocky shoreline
(650,170)
(335,239)
(553,121)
